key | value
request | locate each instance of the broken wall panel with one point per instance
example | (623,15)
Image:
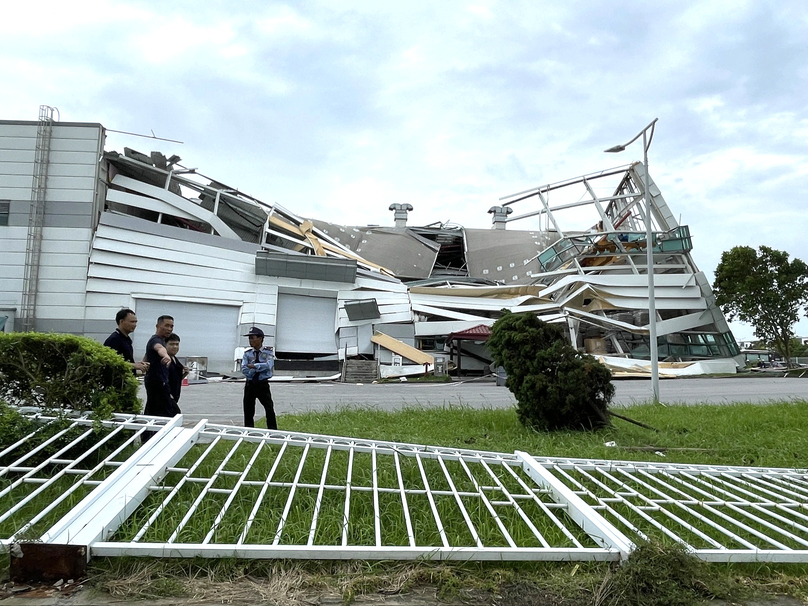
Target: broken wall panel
(505,256)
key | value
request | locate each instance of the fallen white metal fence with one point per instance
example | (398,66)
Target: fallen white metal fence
(220,491)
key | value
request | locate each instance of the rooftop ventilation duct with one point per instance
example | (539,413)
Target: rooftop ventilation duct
(400,213)
(500,217)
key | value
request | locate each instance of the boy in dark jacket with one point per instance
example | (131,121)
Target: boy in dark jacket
(176,371)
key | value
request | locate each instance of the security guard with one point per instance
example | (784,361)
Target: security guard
(257,365)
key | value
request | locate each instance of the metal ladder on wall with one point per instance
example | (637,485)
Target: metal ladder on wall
(36,218)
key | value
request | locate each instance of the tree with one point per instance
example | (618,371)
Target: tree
(556,387)
(765,290)
(798,349)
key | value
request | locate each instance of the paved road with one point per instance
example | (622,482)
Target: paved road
(221,402)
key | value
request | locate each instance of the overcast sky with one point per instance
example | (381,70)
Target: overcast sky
(336,109)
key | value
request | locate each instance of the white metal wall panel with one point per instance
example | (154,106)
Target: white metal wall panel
(18,130)
(380,285)
(619,281)
(16,168)
(472,303)
(305,324)
(261,308)
(173,269)
(141,244)
(124,262)
(68,214)
(15,155)
(393,307)
(12,263)
(11,284)
(73,316)
(173,200)
(354,340)
(205,330)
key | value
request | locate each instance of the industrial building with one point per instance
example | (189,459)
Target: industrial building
(86,231)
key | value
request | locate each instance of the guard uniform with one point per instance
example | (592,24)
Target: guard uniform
(257,384)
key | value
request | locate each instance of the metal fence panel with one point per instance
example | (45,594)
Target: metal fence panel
(221,491)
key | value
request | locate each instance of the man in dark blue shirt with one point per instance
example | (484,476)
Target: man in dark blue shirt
(121,342)
(159,401)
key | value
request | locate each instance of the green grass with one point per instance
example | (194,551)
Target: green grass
(14,488)
(771,435)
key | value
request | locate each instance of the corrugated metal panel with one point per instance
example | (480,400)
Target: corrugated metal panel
(206,330)
(393,307)
(177,201)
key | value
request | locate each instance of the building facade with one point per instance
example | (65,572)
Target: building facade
(86,231)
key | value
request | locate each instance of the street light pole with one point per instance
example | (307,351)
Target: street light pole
(649,247)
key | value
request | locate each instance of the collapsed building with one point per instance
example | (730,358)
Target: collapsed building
(86,231)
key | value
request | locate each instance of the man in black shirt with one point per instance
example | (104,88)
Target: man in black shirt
(121,342)
(159,401)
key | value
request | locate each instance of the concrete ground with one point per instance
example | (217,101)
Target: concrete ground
(221,402)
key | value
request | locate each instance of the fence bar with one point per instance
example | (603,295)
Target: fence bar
(583,514)
(100,513)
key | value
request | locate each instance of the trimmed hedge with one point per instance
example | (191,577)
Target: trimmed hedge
(556,387)
(65,371)
(13,425)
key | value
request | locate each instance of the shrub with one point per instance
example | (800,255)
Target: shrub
(65,371)
(13,425)
(556,387)
(657,575)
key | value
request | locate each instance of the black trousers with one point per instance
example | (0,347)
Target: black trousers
(259,390)
(159,403)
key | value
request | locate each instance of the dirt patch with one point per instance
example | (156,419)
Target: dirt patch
(528,594)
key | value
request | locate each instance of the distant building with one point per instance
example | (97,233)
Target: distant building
(86,231)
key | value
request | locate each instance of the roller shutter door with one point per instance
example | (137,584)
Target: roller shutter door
(205,330)
(305,324)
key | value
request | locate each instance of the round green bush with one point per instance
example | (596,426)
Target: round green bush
(556,387)
(65,371)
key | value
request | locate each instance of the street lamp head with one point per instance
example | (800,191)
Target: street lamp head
(615,149)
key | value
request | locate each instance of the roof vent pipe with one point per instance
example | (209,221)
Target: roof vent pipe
(500,217)
(400,213)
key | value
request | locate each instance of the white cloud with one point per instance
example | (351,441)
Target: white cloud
(337,109)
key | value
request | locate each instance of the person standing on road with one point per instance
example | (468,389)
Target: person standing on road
(257,366)
(121,342)
(159,401)
(176,370)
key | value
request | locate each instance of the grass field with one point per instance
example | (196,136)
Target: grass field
(771,435)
